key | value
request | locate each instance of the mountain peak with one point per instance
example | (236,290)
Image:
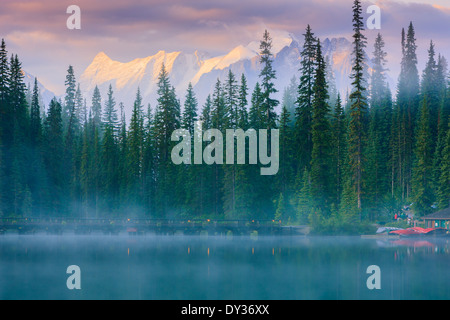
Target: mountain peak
(101,55)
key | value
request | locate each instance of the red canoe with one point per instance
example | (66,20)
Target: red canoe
(417,231)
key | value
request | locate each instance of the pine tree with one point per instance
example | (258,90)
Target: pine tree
(286,171)
(167,119)
(431,89)
(5,112)
(378,79)
(97,107)
(123,172)
(304,200)
(422,169)
(230,92)
(110,118)
(189,173)
(290,101)
(220,120)
(69,111)
(321,138)
(377,170)
(357,124)
(135,150)
(35,116)
(109,170)
(339,136)
(190,110)
(443,192)
(53,151)
(406,112)
(331,82)
(255,114)
(267,76)
(148,162)
(220,116)
(242,104)
(80,111)
(18,170)
(303,113)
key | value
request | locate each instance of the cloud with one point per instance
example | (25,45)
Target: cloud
(36,30)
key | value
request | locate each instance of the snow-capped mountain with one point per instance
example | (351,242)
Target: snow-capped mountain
(202,70)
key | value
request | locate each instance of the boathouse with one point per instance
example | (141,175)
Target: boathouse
(439,219)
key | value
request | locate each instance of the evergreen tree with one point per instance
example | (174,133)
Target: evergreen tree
(80,111)
(443,192)
(69,111)
(53,151)
(109,170)
(18,171)
(377,171)
(303,113)
(422,169)
(167,120)
(135,150)
(304,201)
(285,173)
(110,118)
(378,80)
(321,138)
(431,89)
(5,111)
(290,101)
(255,115)
(97,107)
(35,116)
(190,187)
(220,120)
(230,92)
(267,76)
(242,104)
(190,110)
(406,112)
(357,124)
(331,82)
(339,136)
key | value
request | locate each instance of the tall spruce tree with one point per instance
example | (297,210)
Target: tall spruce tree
(267,75)
(407,103)
(422,169)
(377,153)
(35,116)
(321,154)
(358,109)
(190,115)
(167,120)
(339,140)
(443,192)
(97,107)
(242,104)
(53,153)
(135,150)
(303,112)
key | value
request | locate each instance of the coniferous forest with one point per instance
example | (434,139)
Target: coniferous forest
(343,160)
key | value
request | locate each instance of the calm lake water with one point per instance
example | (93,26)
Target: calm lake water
(219,268)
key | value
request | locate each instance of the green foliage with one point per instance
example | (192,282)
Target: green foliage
(343,164)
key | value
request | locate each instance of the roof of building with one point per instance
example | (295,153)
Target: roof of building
(443,214)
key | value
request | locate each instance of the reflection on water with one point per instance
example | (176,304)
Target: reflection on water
(241,268)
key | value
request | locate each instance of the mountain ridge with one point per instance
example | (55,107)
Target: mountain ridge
(202,70)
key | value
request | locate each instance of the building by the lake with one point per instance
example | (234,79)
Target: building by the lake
(439,219)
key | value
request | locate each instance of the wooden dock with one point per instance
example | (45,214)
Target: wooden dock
(144,226)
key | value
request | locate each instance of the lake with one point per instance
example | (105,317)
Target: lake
(222,268)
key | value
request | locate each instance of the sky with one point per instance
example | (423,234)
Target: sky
(125,30)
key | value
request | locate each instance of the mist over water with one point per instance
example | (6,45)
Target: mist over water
(210,267)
